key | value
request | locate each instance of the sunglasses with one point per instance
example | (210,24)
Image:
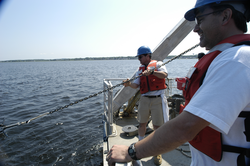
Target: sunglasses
(140,56)
(198,20)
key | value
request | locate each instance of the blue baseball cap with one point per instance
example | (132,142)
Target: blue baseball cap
(190,15)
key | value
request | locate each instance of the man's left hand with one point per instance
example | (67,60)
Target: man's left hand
(118,153)
(146,72)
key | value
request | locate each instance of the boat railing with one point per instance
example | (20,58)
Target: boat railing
(109,128)
(171,86)
(132,163)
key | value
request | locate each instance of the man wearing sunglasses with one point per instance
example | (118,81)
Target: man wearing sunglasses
(152,87)
(216,117)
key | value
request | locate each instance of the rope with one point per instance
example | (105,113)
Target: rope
(183,152)
(96,94)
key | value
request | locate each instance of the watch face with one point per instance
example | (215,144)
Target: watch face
(130,151)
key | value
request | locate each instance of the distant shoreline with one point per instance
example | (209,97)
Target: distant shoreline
(96,58)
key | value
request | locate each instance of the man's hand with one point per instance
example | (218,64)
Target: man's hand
(118,153)
(147,72)
(127,83)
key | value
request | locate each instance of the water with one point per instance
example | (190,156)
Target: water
(72,136)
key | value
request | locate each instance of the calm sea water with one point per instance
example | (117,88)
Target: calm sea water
(72,136)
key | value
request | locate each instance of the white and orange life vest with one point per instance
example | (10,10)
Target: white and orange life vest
(151,82)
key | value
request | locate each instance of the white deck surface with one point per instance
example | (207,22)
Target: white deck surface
(173,158)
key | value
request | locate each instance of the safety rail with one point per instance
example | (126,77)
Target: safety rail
(171,87)
(108,106)
(132,163)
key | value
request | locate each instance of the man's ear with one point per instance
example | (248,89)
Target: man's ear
(227,15)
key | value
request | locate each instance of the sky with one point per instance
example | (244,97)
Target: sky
(55,29)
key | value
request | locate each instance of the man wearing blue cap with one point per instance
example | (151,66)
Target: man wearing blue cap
(216,117)
(153,100)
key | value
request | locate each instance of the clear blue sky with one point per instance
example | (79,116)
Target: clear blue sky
(52,29)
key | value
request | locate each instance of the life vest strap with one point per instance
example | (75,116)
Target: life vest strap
(243,43)
(242,151)
(246,114)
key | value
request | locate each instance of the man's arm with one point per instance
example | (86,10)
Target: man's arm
(132,85)
(172,134)
(160,74)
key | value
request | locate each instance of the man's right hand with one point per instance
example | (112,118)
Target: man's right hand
(128,83)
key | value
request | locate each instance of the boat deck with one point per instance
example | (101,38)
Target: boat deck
(172,158)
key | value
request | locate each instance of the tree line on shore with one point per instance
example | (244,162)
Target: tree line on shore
(96,58)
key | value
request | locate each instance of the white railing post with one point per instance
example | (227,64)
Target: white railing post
(110,109)
(109,105)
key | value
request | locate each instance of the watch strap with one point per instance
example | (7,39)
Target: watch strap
(132,151)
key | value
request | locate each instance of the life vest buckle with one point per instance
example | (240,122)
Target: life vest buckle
(247,128)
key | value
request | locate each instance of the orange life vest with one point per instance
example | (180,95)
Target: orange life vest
(151,82)
(208,140)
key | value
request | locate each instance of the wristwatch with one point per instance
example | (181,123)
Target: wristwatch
(132,152)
